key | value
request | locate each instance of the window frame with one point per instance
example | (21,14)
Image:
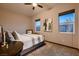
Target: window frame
(35,24)
(64,13)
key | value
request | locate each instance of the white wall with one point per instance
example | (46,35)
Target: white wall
(13,21)
(55,35)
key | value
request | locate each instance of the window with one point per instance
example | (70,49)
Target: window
(66,21)
(37,25)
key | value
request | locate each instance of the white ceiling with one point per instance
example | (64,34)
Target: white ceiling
(26,9)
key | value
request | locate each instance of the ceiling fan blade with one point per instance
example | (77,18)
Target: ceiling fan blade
(27,3)
(40,6)
(33,8)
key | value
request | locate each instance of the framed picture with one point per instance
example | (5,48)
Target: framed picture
(47,25)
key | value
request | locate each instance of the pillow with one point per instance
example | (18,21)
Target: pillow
(11,36)
(0,37)
(7,37)
(16,35)
(29,32)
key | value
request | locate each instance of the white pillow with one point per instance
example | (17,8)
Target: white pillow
(18,35)
(11,36)
(29,32)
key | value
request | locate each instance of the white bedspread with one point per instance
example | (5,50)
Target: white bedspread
(37,38)
(30,40)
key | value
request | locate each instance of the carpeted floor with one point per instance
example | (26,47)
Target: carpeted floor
(51,49)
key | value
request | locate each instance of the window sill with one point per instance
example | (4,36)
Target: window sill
(67,32)
(37,31)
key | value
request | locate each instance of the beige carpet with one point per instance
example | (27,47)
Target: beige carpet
(51,49)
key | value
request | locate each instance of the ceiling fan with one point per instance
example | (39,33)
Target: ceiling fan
(34,5)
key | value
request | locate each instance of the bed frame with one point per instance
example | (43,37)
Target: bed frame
(29,50)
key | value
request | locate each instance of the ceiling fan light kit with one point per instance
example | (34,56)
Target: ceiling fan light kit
(34,5)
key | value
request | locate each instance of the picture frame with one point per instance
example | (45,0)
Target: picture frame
(47,25)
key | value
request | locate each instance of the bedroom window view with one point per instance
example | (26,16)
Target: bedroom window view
(37,25)
(66,22)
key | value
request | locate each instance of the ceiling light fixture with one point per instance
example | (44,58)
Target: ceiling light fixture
(34,4)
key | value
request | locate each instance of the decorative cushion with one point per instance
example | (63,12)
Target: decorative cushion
(29,32)
(14,35)
(11,36)
(7,37)
(0,37)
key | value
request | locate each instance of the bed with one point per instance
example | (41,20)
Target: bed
(30,41)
